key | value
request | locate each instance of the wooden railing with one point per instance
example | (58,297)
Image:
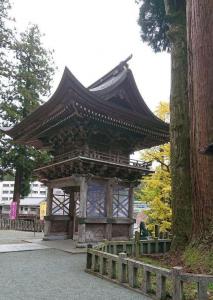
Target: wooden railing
(153,281)
(104,157)
(22,225)
(134,247)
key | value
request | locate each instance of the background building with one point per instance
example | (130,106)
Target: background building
(29,206)
(38,190)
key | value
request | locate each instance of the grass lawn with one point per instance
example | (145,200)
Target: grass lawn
(194,260)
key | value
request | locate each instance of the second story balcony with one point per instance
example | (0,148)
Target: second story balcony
(93,163)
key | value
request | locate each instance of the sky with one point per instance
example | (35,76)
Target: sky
(91,37)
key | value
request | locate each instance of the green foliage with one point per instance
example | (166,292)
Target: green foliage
(29,81)
(154,24)
(156,191)
(6,40)
(34,71)
(155,18)
(156,188)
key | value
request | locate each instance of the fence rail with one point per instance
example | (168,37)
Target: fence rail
(147,279)
(22,225)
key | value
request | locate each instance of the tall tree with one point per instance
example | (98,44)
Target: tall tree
(6,41)
(200,75)
(31,81)
(156,188)
(6,66)
(163,25)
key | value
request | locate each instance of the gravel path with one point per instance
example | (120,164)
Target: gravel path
(54,275)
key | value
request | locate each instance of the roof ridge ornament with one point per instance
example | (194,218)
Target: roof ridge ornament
(122,66)
(124,62)
(115,71)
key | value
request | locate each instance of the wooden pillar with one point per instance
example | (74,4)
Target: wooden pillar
(130,212)
(82,210)
(47,223)
(72,215)
(109,209)
(49,201)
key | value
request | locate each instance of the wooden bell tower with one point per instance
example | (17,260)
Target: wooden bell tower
(91,133)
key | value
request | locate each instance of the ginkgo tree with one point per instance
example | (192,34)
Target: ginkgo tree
(155,189)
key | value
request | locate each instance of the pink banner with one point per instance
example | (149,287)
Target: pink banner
(13,207)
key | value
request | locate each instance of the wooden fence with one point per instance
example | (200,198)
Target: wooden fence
(22,225)
(153,281)
(134,247)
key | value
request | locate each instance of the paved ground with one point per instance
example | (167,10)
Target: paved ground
(64,245)
(14,237)
(52,274)
(21,247)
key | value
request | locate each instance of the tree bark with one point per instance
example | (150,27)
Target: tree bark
(200,82)
(17,189)
(179,129)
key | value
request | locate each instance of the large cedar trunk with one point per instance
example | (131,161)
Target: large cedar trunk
(200,59)
(179,131)
(17,189)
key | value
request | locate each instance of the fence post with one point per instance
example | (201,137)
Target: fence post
(122,268)
(161,287)
(93,262)
(157,231)
(110,271)
(89,258)
(137,244)
(203,290)
(101,264)
(146,281)
(124,248)
(132,252)
(156,245)
(148,247)
(132,274)
(177,293)
(34,223)
(105,245)
(164,246)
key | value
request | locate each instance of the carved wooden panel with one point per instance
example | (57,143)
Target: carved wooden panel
(95,232)
(96,195)
(59,226)
(120,230)
(120,202)
(60,203)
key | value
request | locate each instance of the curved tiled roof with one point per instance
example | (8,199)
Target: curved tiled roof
(113,99)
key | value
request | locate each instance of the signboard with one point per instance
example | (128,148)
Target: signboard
(13,207)
(43,210)
(140,206)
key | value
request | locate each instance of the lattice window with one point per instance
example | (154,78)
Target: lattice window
(96,195)
(120,201)
(61,203)
(77,202)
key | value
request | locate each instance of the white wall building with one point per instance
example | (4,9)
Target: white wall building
(38,190)
(28,206)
